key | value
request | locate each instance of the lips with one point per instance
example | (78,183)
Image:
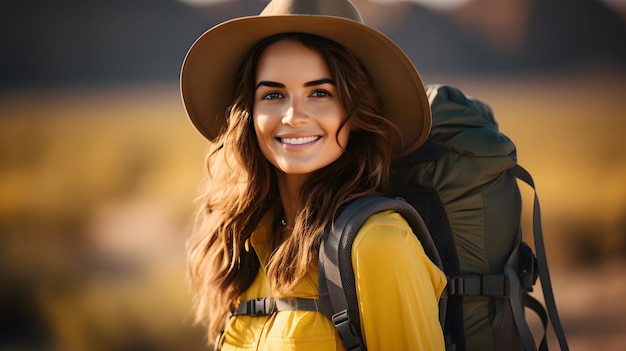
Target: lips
(299,141)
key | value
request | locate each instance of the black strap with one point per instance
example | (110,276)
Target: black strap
(430,207)
(542,262)
(536,306)
(265,306)
(336,276)
(511,268)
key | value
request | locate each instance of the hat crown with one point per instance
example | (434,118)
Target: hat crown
(337,8)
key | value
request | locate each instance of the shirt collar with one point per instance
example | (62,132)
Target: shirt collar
(262,238)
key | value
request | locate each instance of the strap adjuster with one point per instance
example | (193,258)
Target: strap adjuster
(529,271)
(256,307)
(347,330)
(496,285)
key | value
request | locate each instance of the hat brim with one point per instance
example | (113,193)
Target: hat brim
(210,67)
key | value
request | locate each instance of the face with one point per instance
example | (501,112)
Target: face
(297,112)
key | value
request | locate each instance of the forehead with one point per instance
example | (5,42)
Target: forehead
(291,58)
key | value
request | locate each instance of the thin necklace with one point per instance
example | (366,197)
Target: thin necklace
(281,231)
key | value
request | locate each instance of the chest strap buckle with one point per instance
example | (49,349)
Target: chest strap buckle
(256,307)
(263,306)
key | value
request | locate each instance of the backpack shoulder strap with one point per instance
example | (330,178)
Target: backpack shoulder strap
(336,277)
(542,262)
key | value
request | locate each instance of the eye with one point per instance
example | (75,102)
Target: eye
(271,96)
(321,93)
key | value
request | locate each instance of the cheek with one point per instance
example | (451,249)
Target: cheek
(265,117)
(261,124)
(262,131)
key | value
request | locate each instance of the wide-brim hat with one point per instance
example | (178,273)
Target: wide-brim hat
(209,70)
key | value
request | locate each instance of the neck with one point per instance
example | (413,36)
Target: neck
(289,186)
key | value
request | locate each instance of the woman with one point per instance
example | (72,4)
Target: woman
(306,107)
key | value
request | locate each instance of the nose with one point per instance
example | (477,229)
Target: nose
(295,114)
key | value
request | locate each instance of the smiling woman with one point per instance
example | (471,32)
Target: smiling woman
(304,115)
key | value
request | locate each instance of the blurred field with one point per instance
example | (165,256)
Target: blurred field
(97,185)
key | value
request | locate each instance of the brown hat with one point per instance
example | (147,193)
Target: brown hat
(210,67)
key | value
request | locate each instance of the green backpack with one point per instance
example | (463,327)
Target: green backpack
(463,183)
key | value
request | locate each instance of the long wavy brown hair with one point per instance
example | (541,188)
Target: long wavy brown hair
(240,186)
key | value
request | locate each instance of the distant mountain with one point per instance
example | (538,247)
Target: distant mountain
(480,36)
(71,42)
(78,42)
(572,32)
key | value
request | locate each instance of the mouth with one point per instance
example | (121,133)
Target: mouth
(299,141)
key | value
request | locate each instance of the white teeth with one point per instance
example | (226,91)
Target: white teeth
(299,141)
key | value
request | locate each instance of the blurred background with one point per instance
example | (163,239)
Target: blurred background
(99,165)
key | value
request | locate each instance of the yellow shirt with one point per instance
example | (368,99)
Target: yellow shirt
(398,289)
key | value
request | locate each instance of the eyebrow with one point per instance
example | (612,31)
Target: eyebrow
(319,82)
(271,84)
